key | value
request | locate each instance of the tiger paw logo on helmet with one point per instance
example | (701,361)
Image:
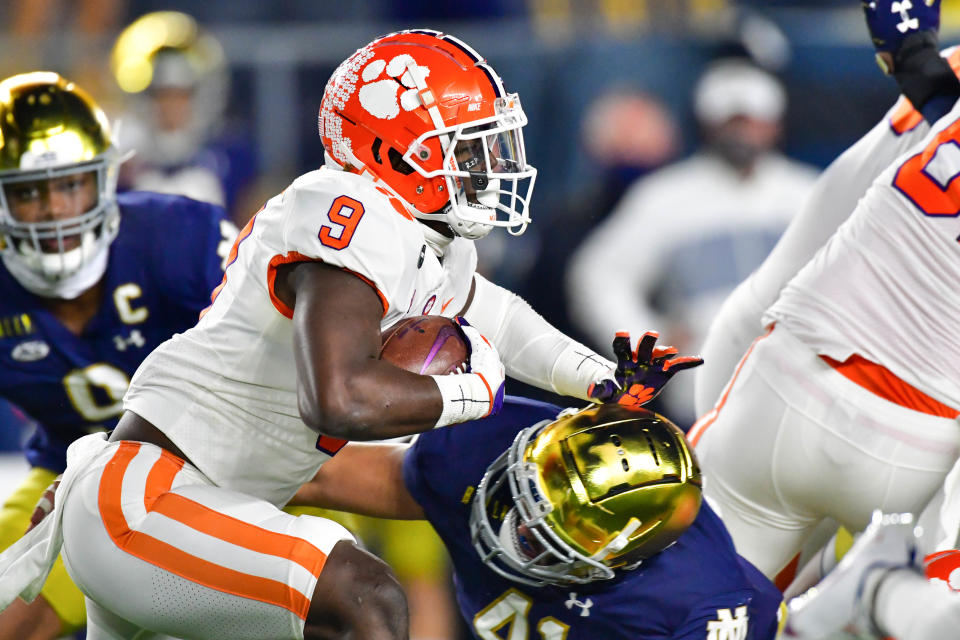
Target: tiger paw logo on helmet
(380,98)
(425,116)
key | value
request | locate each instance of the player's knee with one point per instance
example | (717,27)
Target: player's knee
(357,595)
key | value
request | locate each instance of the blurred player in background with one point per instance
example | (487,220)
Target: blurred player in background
(708,222)
(425,153)
(177,81)
(849,400)
(91,282)
(579,526)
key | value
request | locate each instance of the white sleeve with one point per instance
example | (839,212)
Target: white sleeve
(532,350)
(832,199)
(610,276)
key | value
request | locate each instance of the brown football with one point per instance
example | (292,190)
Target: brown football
(428,345)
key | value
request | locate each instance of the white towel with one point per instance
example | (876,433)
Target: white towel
(24,566)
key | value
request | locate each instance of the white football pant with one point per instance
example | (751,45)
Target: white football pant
(155,546)
(791,441)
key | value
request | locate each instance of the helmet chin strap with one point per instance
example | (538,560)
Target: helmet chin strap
(618,542)
(66,288)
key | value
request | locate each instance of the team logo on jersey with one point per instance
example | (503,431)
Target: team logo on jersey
(380,97)
(31,351)
(583,604)
(729,626)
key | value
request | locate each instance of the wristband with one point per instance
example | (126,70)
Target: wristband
(466,396)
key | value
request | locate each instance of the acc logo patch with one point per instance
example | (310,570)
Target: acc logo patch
(31,351)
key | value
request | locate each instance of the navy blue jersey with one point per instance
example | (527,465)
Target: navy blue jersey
(161,270)
(697,589)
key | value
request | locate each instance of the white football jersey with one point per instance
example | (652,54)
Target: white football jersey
(885,285)
(225,392)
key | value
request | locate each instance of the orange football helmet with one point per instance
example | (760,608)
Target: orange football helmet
(422,113)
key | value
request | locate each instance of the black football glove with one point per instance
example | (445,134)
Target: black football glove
(640,374)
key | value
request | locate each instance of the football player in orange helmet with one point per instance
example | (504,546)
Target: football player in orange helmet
(426,153)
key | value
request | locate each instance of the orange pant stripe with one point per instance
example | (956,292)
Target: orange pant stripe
(201,518)
(698,429)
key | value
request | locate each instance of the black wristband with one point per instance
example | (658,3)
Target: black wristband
(922,73)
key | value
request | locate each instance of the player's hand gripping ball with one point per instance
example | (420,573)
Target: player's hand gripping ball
(428,345)
(485,362)
(640,374)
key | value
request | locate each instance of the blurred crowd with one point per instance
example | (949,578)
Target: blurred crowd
(674,138)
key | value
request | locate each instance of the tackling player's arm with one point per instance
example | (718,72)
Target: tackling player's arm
(379,491)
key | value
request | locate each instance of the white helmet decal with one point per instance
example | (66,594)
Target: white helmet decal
(379,98)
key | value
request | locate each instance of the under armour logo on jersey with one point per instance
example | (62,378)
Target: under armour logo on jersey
(907,23)
(380,98)
(135,339)
(584,604)
(729,626)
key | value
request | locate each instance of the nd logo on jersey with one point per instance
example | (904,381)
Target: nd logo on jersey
(728,626)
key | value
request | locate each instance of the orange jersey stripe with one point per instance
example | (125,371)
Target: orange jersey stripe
(700,426)
(881,381)
(231,258)
(198,517)
(293,256)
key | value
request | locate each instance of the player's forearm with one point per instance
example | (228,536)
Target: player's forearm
(371,401)
(532,350)
(377,490)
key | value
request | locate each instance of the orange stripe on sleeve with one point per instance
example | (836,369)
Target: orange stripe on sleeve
(231,258)
(292,257)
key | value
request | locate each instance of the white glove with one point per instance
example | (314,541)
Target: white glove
(477,393)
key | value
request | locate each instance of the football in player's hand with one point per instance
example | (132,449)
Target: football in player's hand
(428,345)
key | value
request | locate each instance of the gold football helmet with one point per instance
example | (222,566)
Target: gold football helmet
(593,491)
(51,128)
